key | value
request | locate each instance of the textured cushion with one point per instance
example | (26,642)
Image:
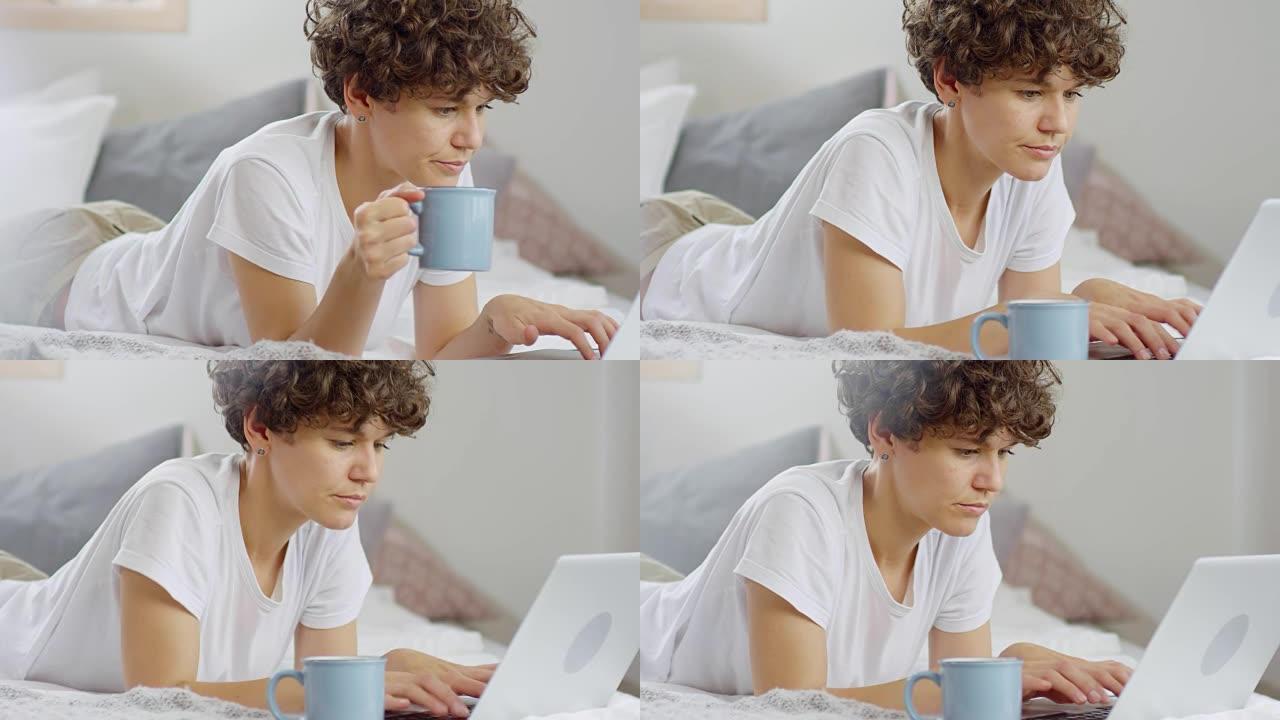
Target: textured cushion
(48,514)
(13,568)
(1059,583)
(424,582)
(1126,224)
(683,512)
(545,233)
(157,166)
(750,158)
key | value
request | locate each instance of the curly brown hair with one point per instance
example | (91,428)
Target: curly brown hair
(981,39)
(420,47)
(316,392)
(949,398)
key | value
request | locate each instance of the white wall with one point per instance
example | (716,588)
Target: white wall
(574,131)
(1186,121)
(1149,467)
(518,462)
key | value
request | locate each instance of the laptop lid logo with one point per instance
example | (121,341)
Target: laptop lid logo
(588,643)
(1225,645)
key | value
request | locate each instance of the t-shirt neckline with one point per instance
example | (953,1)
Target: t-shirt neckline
(247,575)
(939,198)
(868,562)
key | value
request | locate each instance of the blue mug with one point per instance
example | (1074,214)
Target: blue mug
(1040,330)
(455,228)
(336,688)
(975,689)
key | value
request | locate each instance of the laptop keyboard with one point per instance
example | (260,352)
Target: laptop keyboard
(1094,714)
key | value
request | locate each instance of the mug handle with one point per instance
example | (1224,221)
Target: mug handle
(978,322)
(416,209)
(271,693)
(911,683)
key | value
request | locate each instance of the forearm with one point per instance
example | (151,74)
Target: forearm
(342,319)
(926,696)
(477,340)
(955,334)
(253,693)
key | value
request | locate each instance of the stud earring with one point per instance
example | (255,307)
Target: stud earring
(884,456)
(951,104)
(262,451)
(361,118)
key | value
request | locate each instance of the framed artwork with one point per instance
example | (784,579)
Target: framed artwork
(30,369)
(110,15)
(722,10)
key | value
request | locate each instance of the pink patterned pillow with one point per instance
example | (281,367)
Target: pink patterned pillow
(545,233)
(424,582)
(1059,583)
(1127,225)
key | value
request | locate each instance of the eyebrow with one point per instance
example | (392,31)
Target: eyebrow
(360,431)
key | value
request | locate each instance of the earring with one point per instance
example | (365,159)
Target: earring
(884,456)
(361,118)
(262,451)
(951,104)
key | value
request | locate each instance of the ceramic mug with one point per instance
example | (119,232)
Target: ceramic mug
(1040,330)
(336,688)
(975,689)
(455,228)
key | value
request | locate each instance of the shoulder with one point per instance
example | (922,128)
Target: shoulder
(289,151)
(896,132)
(811,490)
(196,479)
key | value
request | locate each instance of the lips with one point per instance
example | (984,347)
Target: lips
(455,167)
(973,508)
(1044,152)
(353,501)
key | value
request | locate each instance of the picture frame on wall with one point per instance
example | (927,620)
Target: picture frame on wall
(705,10)
(103,15)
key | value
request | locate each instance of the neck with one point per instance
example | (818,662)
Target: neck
(892,532)
(266,521)
(360,180)
(966,176)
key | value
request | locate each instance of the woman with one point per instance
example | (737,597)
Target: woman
(207,567)
(911,219)
(836,575)
(302,230)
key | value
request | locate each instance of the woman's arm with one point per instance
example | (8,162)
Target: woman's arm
(160,647)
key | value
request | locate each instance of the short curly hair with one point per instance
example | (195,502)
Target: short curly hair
(949,398)
(981,39)
(420,47)
(287,393)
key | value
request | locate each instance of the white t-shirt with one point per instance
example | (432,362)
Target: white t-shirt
(272,199)
(180,527)
(877,180)
(803,537)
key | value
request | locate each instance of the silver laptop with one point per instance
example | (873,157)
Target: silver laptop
(1210,650)
(1241,318)
(574,645)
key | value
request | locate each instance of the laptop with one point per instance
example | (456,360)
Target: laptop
(1209,652)
(624,346)
(1241,318)
(574,646)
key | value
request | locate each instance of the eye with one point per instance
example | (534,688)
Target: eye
(967,452)
(382,445)
(447,111)
(1030,94)
(343,444)
(486,107)
(1073,95)
(1006,452)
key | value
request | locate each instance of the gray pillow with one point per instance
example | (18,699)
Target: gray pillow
(48,514)
(158,166)
(683,512)
(750,158)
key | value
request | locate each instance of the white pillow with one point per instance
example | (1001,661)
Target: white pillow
(82,84)
(50,154)
(662,113)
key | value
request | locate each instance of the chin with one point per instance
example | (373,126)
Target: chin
(1030,172)
(958,527)
(336,521)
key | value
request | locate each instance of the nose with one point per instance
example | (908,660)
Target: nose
(366,467)
(990,476)
(470,132)
(1056,118)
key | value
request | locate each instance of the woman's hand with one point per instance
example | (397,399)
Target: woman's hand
(1121,315)
(432,683)
(386,229)
(1066,679)
(521,321)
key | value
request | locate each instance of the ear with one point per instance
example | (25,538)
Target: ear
(879,437)
(255,432)
(358,101)
(945,83)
